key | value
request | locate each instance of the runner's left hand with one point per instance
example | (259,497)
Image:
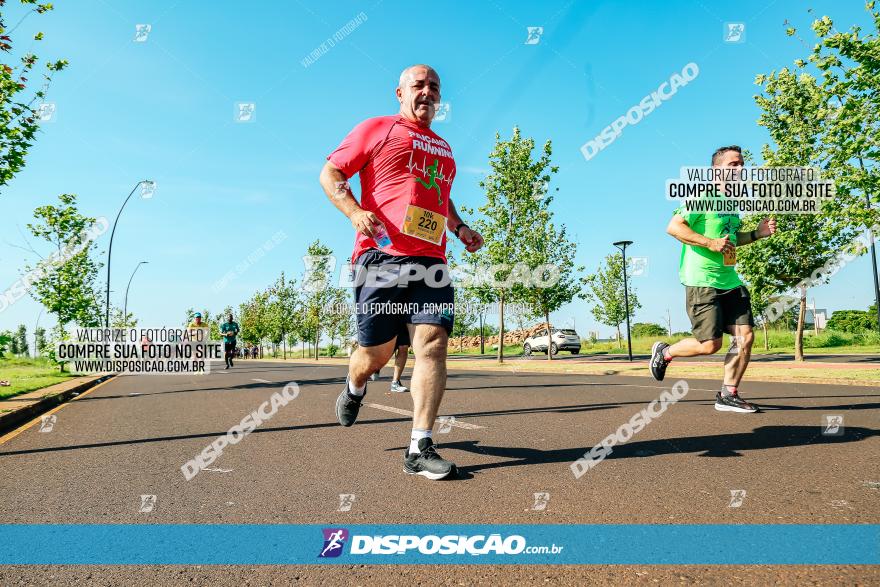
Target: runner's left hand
(767,227)
(472,239)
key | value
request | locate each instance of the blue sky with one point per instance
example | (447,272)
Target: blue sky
(163,109)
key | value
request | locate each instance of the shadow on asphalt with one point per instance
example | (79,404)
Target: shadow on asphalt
(225,388)
(718,445)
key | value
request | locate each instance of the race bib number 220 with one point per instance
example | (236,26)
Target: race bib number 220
(424,224)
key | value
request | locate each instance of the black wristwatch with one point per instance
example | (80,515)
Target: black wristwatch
(457,228)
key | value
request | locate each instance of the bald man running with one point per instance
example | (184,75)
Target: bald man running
(406,172)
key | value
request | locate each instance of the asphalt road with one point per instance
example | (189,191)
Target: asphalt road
(864,359)
(515,435)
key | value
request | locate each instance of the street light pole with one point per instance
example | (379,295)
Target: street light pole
(873,253)
(110,249)
(36,326)
(125,305)
(622,246)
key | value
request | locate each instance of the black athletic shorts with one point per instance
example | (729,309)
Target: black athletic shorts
(228,348)
(712,310)
(389,293)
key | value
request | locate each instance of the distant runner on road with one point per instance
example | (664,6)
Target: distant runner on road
(229,330)
(715,297)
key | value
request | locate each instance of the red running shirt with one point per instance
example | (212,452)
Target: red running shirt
(401,164)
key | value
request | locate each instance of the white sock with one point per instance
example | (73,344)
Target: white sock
(417,434)
(358,391)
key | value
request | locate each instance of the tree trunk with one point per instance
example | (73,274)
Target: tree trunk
(501,329)
(618,337)
(482,340)
(549,335)
(766,334)
(317,340)
(799,332)
(302,348)
(284,343)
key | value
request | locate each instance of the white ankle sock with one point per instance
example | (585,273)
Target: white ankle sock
(417,434)
(358,391)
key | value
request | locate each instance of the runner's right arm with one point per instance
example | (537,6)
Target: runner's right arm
(336,187)
(679,228)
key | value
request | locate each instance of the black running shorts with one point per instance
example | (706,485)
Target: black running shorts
(391,292)
(712,310)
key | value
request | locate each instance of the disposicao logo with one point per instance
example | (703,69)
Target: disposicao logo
(334,540)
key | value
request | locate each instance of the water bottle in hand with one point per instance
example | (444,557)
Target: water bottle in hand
(380,235)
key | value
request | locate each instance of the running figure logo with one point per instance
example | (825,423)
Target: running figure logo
(334,540)
(832,425)
(346,500)
(432,175)
(542,498)
(737,496)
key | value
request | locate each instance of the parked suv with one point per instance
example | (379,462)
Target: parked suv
(561,340)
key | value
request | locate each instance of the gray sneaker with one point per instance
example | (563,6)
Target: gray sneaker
(348,406)
(399,387)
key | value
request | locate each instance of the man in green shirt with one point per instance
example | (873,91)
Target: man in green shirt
(715,297)
(229,330)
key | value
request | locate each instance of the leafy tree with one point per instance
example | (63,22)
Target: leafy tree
(851,321)
(14,349)
(551,262)
(118,321)
(647,329)
(19,104)
(318,291)
(23,345)
(40,341)
(341,324)
(253,317)
(6,339)
(605,289)
(67,286)
(828,122)
(466,314)
(281,311)
(508,220)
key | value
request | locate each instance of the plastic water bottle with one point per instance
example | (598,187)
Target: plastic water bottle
(380,235)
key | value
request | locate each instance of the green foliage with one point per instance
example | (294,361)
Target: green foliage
(19,103)
(6,339)
(40,341)
(318,294)
(22,340)
(67,287)
(118,321)
(852,321)
(647,329)
(820,113)
(606,290)
(513,219)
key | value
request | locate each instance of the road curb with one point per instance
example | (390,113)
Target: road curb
(63,392)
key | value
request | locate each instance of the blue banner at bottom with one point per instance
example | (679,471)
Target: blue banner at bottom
(630,544)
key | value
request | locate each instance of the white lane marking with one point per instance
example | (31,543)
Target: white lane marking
(260,380)
(457,423)
(213,470)
(135,393)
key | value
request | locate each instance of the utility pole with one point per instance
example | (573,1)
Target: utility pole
(622,246)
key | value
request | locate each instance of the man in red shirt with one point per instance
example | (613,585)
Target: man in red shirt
(401,277)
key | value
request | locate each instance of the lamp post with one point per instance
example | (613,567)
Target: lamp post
(125,305)
(873,252)
(622,246)
(36,326)
(146,193)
